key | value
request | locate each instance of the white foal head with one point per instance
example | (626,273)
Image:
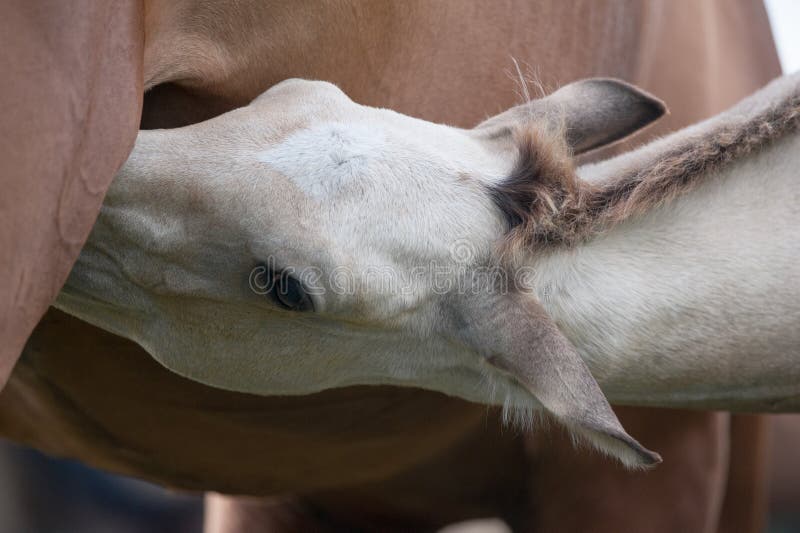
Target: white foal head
(306,242)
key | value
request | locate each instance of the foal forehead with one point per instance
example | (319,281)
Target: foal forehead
(328,144)
(328,158)
(375,154)
(338,157)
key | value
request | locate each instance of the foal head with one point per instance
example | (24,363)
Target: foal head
(306,242)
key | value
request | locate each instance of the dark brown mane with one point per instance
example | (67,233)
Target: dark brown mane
(544,202)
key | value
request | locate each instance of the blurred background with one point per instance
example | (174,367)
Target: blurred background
(784,17)
(40,494)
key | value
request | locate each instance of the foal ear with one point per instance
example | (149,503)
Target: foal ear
(593,113)
(517,337)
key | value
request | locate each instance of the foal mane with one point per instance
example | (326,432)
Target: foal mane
(544,202)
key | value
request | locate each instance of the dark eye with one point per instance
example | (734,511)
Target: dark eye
(289,293)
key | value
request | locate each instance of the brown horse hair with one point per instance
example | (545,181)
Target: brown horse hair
(545,203)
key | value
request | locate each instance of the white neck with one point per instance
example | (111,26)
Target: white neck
(698,302)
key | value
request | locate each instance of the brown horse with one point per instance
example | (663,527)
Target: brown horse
(358,457)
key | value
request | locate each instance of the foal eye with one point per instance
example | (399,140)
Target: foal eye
(289,293)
